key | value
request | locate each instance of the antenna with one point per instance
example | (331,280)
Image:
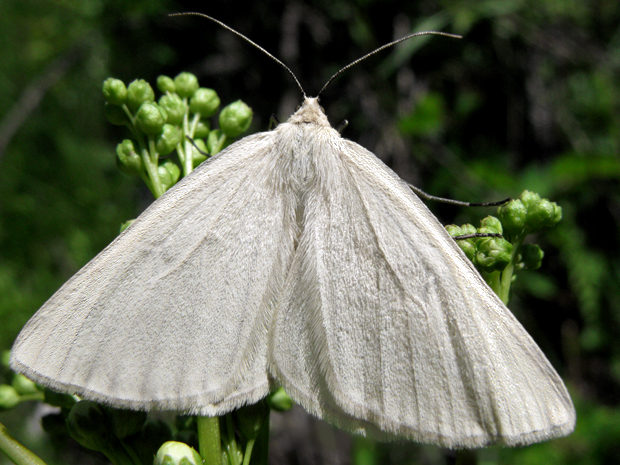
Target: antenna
(342,70)
(416,34)
(192,13)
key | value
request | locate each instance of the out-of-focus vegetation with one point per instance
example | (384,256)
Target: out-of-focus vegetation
(528,99)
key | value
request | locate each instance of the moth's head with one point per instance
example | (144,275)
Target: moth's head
(310,112)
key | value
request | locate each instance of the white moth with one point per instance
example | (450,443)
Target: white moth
(296,258)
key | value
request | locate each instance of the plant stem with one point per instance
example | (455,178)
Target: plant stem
(261,446)
(506,281)
(231,442)
(209,442)
(15,450)
(186,149)
(494,281)
(220,144)
(151,169)
(34,396)
(188,162)
(248,451)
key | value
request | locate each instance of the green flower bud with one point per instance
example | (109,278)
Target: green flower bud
(197,157)
(151,118)
(126,224)
(58,399)
(116,115)
(204,102)
(202,146)
(235,119)
(5,358)
(453,230)
(542,214)
(114,91)
(467,245)
(176,453)
(126,422)
(23,385)
(202,130)
(168,139)
(186,84)
(529,197)
(490,225)
(215,141)
(169,174)
(9,397)
(128,160)
(138,92)
(175,108)
(88,425)
(165,84)
(468,229)
(251,418)
(463,230)
(512,216)
(279,400)
(493,254)
(531,256)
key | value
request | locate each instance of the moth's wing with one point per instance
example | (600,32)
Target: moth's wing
(385,328)
(172,314)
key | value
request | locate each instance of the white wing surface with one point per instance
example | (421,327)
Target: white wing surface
(171,315)
(386,327)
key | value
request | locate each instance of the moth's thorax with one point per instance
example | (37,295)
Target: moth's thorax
(302,142)
(302,139)
(310,112)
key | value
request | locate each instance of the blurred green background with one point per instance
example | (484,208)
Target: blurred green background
(529,99)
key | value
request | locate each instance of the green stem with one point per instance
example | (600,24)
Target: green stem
(493,280)
(220,144)
(149,157)
(231,442)
(15,450)
(506,280)
(34,396)
(209,442)
(364,451)
(189,130)
(248,451)
(261,447)
(151,168)
(185,150)
(132,120)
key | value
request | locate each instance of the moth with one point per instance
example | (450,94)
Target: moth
(296,258)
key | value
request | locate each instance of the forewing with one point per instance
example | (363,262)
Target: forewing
(172,314)
(385,328)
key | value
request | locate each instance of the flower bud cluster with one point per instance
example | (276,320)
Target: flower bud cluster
(528,214)
(488,254)
(20,388)
(495,257)
(178,122)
